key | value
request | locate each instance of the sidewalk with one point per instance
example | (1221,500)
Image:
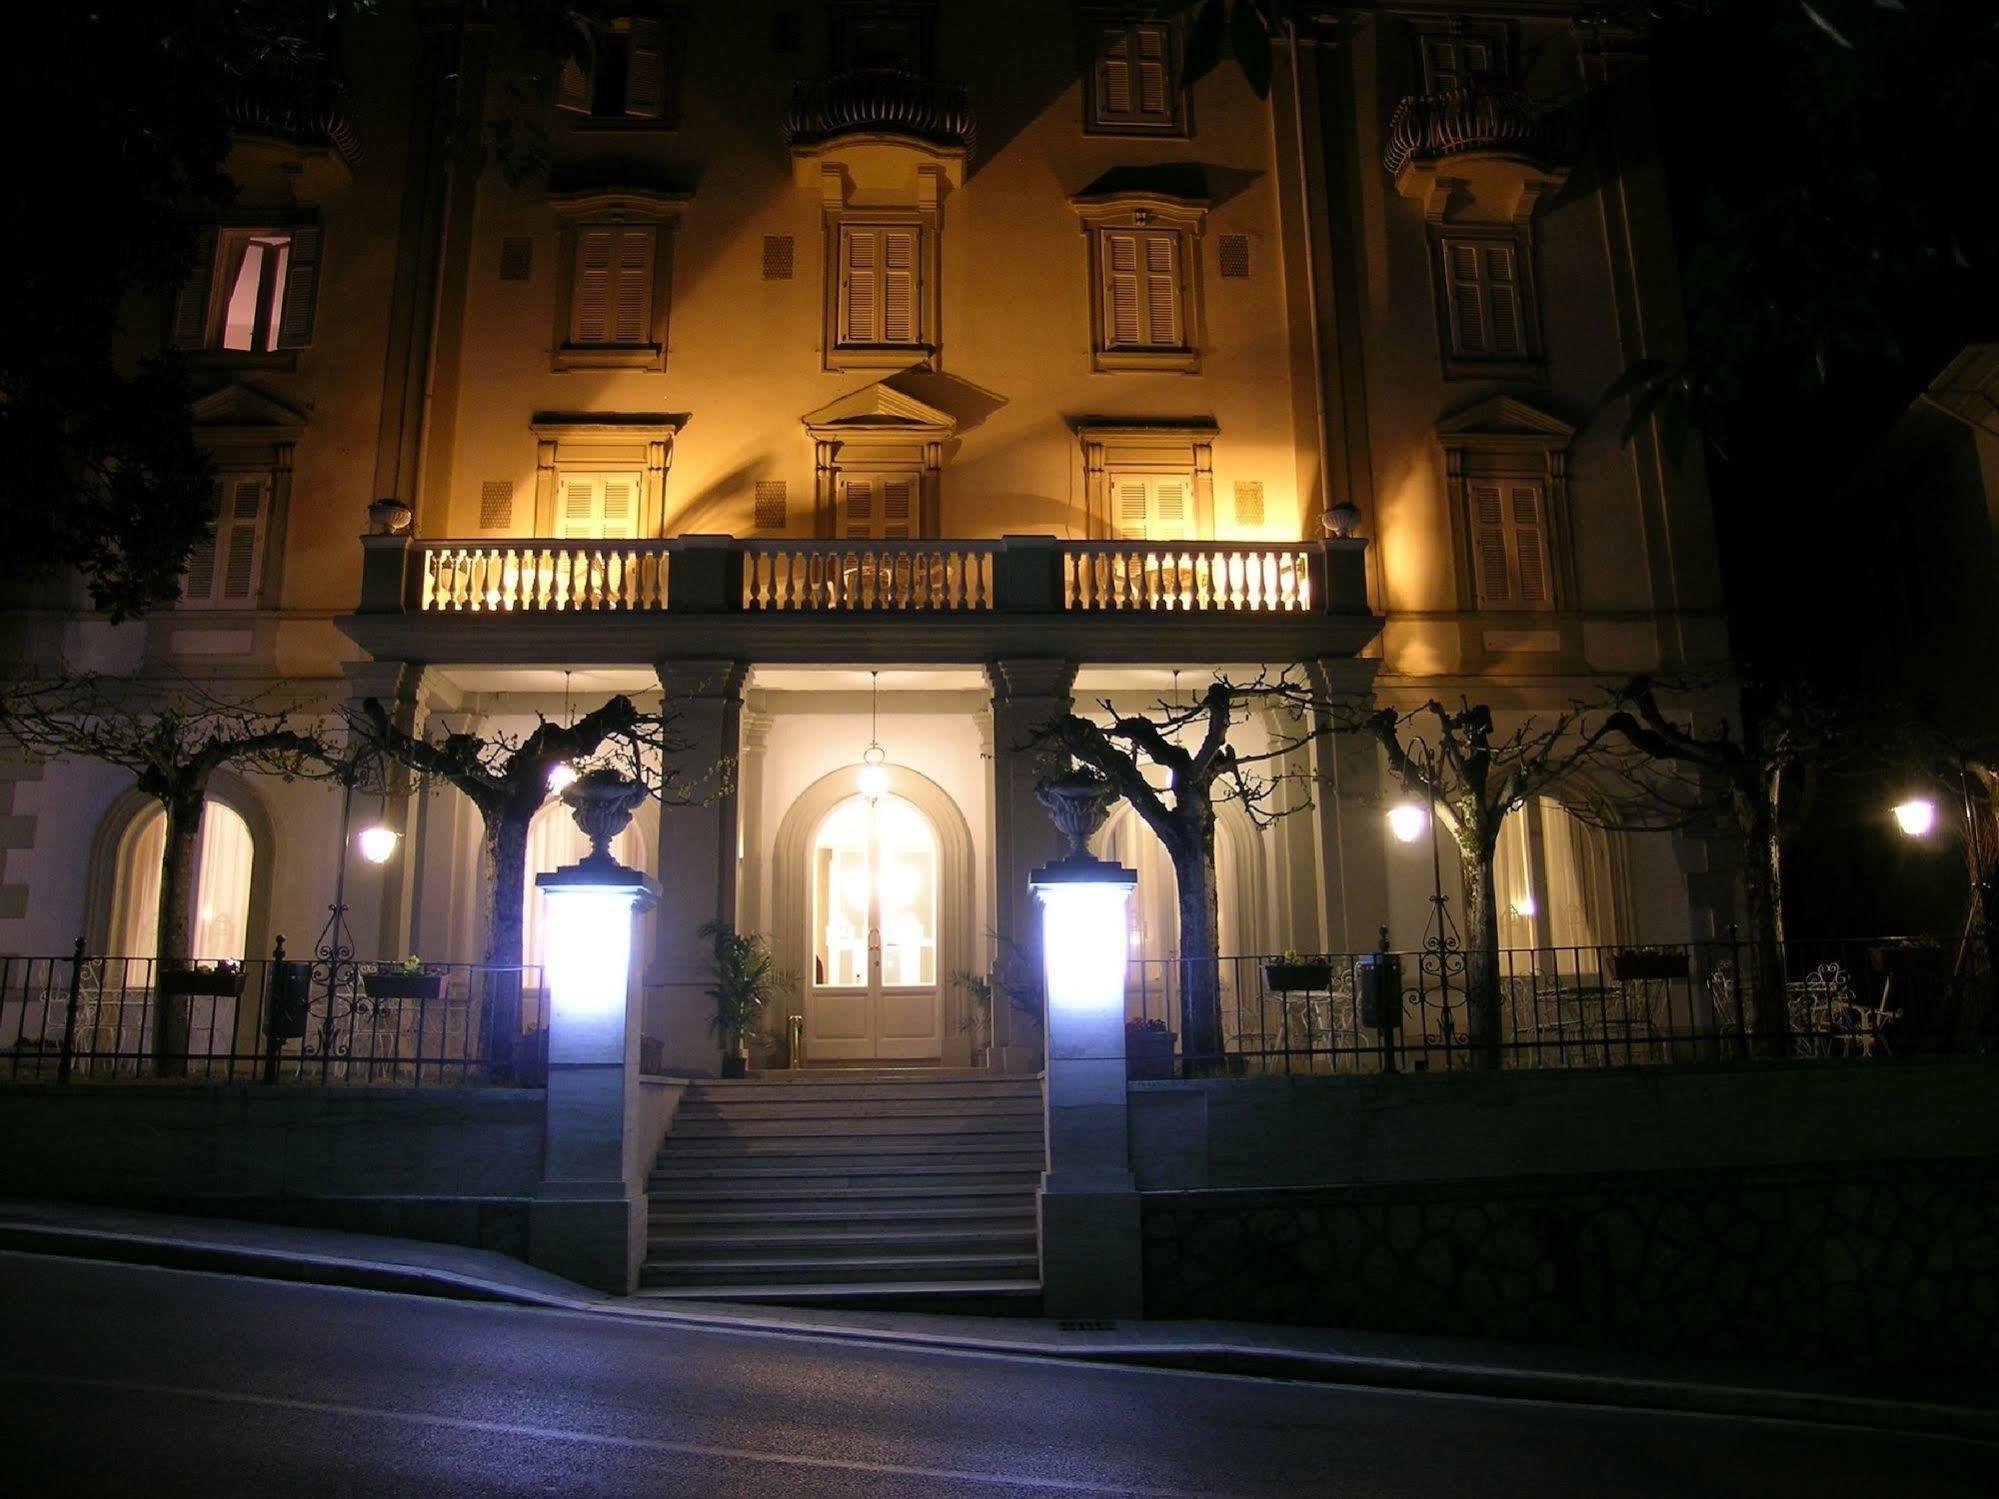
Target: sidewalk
(1388,1361)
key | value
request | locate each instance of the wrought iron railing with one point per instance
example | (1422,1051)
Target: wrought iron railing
(340,1022)
(887,101)
(309,114)
(1482,117)
(1555,1007)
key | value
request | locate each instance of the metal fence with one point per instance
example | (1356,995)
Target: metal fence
(344,1021)
(1567,1007)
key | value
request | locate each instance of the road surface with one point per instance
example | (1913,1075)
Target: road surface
(120,1380)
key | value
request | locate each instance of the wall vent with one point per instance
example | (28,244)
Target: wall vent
(1233,249)
(779,255)
(516,258)
(496,505)
(1249,502)
(770,505)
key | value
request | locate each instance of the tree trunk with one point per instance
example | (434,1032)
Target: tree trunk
(1483,990)
(1200,969)
(1764,985)
(505,863)
(174,939)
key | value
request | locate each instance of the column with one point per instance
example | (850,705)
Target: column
(588,1218)
(1349,809)
(1026,695)
(699,838)
(1091,1231)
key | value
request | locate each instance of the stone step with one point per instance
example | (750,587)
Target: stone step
(781,1178)
(694,1109)
(757,1196)
(970,1296)
(849,1212)
(833,1073)
(736,1094)
(949,1126)
(806,1269)
(726,1148)
(867,1241)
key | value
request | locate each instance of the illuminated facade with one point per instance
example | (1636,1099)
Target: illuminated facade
(957,343)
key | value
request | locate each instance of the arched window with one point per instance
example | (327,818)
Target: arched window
(225,856)
(1556,883)
(554,842)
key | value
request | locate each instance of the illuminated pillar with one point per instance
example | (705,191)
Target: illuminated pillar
(588,1219)
(1090,1236)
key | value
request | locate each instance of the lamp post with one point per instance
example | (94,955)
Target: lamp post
(1442,957)
(335,947)
(1917,816)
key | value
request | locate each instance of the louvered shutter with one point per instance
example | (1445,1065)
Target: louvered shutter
(857,504)
(1169,510)
(1153,95)
(1502,290)
(621,506)
(1466,297)
(1162,292)
(191,302)
(239,537)
(1123,318)
(590,319)
(1530,548)
(578,510)
(1488,523)
(1450,63)
(645,70)
(1114,79)
(631,303)
(301,290)
(1132,508)
(899,287)
(898,507)
(573,89)
(197,585)
(860,286)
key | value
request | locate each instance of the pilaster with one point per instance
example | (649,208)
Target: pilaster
(1348,808)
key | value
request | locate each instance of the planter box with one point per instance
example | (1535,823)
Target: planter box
(221,983)
(1626,966)
(1148,1055)
(735,1066)
(1298,978)
(394,985)
(531,1060)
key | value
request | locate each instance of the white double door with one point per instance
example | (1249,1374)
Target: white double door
(874,992)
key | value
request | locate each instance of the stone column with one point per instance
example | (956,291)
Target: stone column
(1091,1242)
(699,837)
(1349,809)
(1026,694)
(588,1217)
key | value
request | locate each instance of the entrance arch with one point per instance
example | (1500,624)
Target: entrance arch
(796,906)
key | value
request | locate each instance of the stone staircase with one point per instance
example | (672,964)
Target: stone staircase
(877,1187)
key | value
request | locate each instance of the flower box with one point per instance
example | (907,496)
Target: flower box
(221,983)
(1307,976)
(396,984)
(1627,966)
(1148,1054)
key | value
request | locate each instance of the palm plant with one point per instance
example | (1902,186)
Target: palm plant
(745,978)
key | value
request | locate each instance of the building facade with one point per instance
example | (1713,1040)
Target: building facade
(887,373)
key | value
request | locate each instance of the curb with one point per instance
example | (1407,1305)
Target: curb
(1907,1417)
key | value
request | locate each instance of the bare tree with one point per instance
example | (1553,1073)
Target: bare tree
(1181,814)
(173,737)
(506,778)
(1478,776)
(1758,767)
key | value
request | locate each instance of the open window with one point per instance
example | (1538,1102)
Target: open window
(626,70)
(252,291)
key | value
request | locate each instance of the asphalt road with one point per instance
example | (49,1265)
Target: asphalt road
(117,1380)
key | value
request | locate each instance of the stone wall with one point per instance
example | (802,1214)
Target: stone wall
(447,1165)
(1864,1264)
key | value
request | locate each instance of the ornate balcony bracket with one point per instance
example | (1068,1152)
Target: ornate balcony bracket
(880,129)
(301,145)
(1475,155)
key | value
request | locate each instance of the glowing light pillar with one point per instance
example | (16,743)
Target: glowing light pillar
(588,1220)
(1090,1249)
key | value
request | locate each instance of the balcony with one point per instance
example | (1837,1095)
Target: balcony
(1498,145)
(534,601)
(879,101)
(303,133)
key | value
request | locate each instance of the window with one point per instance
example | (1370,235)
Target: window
(1149,483)
(1153,507)
(880,285)
(877,507)
(1142,258)
(223,858)
(1133,86)
(1510,543)
(617,272)
(226,571)
(1452,59)
(251,291)
(597,507)
(627,70)
(1557,882)
(1488,323)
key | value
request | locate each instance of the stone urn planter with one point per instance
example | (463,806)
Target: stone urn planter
(1078,802)
(602,801)
(389,517)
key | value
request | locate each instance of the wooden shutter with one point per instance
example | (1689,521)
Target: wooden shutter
(1169,510)
(1500,264)
(645,70)
(578,509)
(1114,80)
(1133,511)
(1450,63)
(240,537)
(301,290)
(1466,298)
(857,505)
(1162,292)
(191,302)
(1123,318)
(631,302)
(590,318)
(860,286)
(1154,97)
(573,90)
(1510,544)
(1488,524)
(1529,544)
(900,318)
(898,507)
(621,506)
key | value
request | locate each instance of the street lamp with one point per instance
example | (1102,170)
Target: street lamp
(1407,819)
(377,843)
(561,776)
(1412,813)
(1916,817)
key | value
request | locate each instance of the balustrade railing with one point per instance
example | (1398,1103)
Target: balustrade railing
(1101,576)
(845,575)
(503,577)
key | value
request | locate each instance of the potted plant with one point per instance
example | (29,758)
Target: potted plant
(1148,1050)
(222,980)
(745,978)
(1629,964)
(408,979)
(978,1015)
(1292,974)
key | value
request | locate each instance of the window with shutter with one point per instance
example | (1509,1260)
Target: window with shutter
(611,299)
(251,291)
(191,303)
(645,69)
(1133,83)
(1509,544)
(1154,507)
(877,507)
(224,571)
(1454,60)
(626,69)
(597,507)
(1141,289)
(1485,299)
(881,285)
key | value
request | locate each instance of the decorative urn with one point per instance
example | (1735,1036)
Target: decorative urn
(602,801)
(389,516)
(1078,801)
(1341,520)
